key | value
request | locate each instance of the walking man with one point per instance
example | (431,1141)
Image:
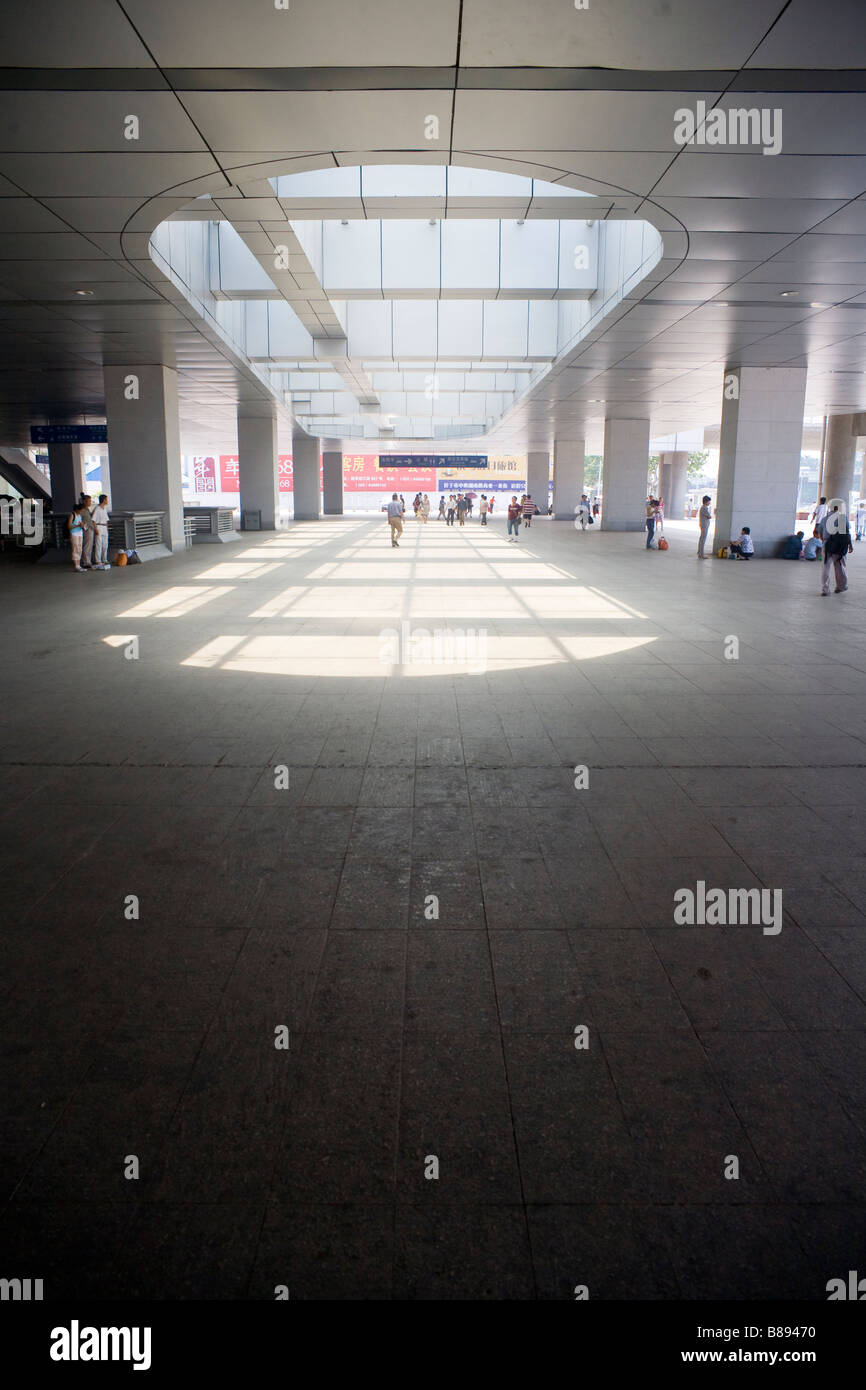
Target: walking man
(395,518)
(704,516)
(529,510)
(837,547)
(483,509)
(819,517)
(514,511)
(583,512)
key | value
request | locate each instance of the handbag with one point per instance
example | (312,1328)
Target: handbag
(591,519)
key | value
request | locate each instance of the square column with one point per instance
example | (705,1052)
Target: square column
(66,466)
(144,445)
(538,478)
(568,469)
(759,455)
(257,461)
(624,475)
(332,477)
(305,466)
(672,483)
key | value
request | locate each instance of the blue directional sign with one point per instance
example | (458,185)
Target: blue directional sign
(432,460)
(68,434)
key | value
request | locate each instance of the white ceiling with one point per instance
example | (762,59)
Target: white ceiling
(229,94)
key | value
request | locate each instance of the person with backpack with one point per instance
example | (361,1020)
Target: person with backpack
(837,547)
(75,526)
(514,513)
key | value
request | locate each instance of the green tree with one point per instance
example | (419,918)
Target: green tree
(698,462)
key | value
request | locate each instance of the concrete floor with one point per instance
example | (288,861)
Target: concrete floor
(413,1036)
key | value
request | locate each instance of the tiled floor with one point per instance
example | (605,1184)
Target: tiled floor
(414,789)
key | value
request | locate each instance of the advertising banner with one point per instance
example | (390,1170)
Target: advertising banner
(204,473)
(361,473)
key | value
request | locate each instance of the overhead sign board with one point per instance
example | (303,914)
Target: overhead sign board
(68,434)
(433,461)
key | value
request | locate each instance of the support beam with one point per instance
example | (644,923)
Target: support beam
(332,477)
(839,458)
(759,454)
(538,478)
(144,444)
(66,465)
(626,465)
(305,455)
(257,461)
(568,471)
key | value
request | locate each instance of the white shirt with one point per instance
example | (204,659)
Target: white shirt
(99,516)
(745,544)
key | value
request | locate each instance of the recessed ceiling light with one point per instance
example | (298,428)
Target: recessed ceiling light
(816,304)
(788,294)
(84,293)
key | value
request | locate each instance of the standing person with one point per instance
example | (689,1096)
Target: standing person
(75,527)
(529,510)
(861,517)
(462,508)
(394,510)
(469,501)
(595,507)
(99,516)
(514,514)
(704,517)
(425,508)
(441,506)
(482,507)
(837,547)
(490,504)
(818,517)
(652,511)
(89,531)
(452,508)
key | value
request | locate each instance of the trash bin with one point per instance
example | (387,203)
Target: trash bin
(251,520)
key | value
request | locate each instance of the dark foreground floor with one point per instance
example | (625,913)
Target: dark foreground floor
(412,1036)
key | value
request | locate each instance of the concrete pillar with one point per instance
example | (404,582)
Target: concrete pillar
(839,458)
(675,497)
(568,468)
(538,477)
(305,466)
(332,477)
(626,464)
(759,454)
(257,461)
(144,444)
(665,480)
(67,475)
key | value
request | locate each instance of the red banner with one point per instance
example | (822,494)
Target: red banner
(204,473)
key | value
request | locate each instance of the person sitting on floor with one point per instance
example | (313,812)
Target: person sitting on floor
(812,550)
(743,547)
(793,547)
